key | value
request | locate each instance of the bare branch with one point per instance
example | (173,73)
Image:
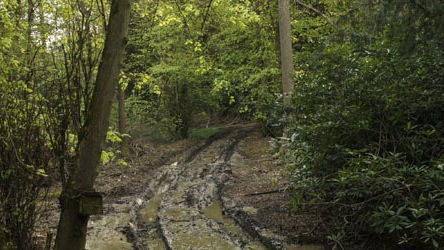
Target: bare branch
(185,23)
(206,15)
(309,7)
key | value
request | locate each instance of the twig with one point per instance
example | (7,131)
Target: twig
(359,203)
(262,193)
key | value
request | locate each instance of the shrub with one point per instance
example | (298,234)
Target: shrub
(368,142)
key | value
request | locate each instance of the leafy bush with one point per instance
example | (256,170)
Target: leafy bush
(24,164)
(368,142)
(148,118)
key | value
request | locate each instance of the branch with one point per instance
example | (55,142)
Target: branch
(101,9)
(309,7)
(183,18)
(352,205)
(266,192)
(206,15)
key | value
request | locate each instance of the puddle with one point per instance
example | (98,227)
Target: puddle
(257,245)
(237,159)
(110,245)
(154,241)
(149,213)
(196,235)
(172,218)
(150,218)
(250,210)
(214,212)
(156,244)
(202,241)
(179,214)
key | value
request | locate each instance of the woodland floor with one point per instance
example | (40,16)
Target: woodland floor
(224,192)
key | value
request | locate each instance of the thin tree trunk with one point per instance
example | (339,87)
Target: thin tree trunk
(29,45)
(122,121)
(71,232)
(286,52)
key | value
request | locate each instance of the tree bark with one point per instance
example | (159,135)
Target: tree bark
(71,232)
(286,52)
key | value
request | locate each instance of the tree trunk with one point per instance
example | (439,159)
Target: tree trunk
(122,121)
(286,52)
(71,232)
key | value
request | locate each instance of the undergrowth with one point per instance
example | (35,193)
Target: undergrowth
(367,145)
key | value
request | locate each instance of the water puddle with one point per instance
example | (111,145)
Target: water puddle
(214,212)
(111,245)
(154,241)
(201,240)
(172,218)
(229,225)
(149,213)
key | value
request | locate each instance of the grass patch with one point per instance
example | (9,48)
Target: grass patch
(202,133)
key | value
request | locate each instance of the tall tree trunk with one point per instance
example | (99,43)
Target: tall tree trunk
(122,121)
(29,42)
(71,232)
(286,52)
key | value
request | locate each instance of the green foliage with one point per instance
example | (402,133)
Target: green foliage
(174,86)
(367,135)
(49,52)
(367,144)
(112,153)
(189,58)
(149,119)
(24,152)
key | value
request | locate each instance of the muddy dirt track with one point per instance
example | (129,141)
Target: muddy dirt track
(216,194)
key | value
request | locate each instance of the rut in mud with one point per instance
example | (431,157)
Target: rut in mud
(182,206)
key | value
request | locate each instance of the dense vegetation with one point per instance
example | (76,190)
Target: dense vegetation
(366,131)
(368,144)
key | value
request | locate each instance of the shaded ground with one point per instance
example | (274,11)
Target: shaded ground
(116,181)
(213,194)
(121,186)
(258,186)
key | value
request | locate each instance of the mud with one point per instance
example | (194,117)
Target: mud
(196,199)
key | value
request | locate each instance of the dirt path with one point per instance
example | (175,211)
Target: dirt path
(194,202)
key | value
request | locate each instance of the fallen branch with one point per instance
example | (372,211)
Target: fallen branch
(262,193)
